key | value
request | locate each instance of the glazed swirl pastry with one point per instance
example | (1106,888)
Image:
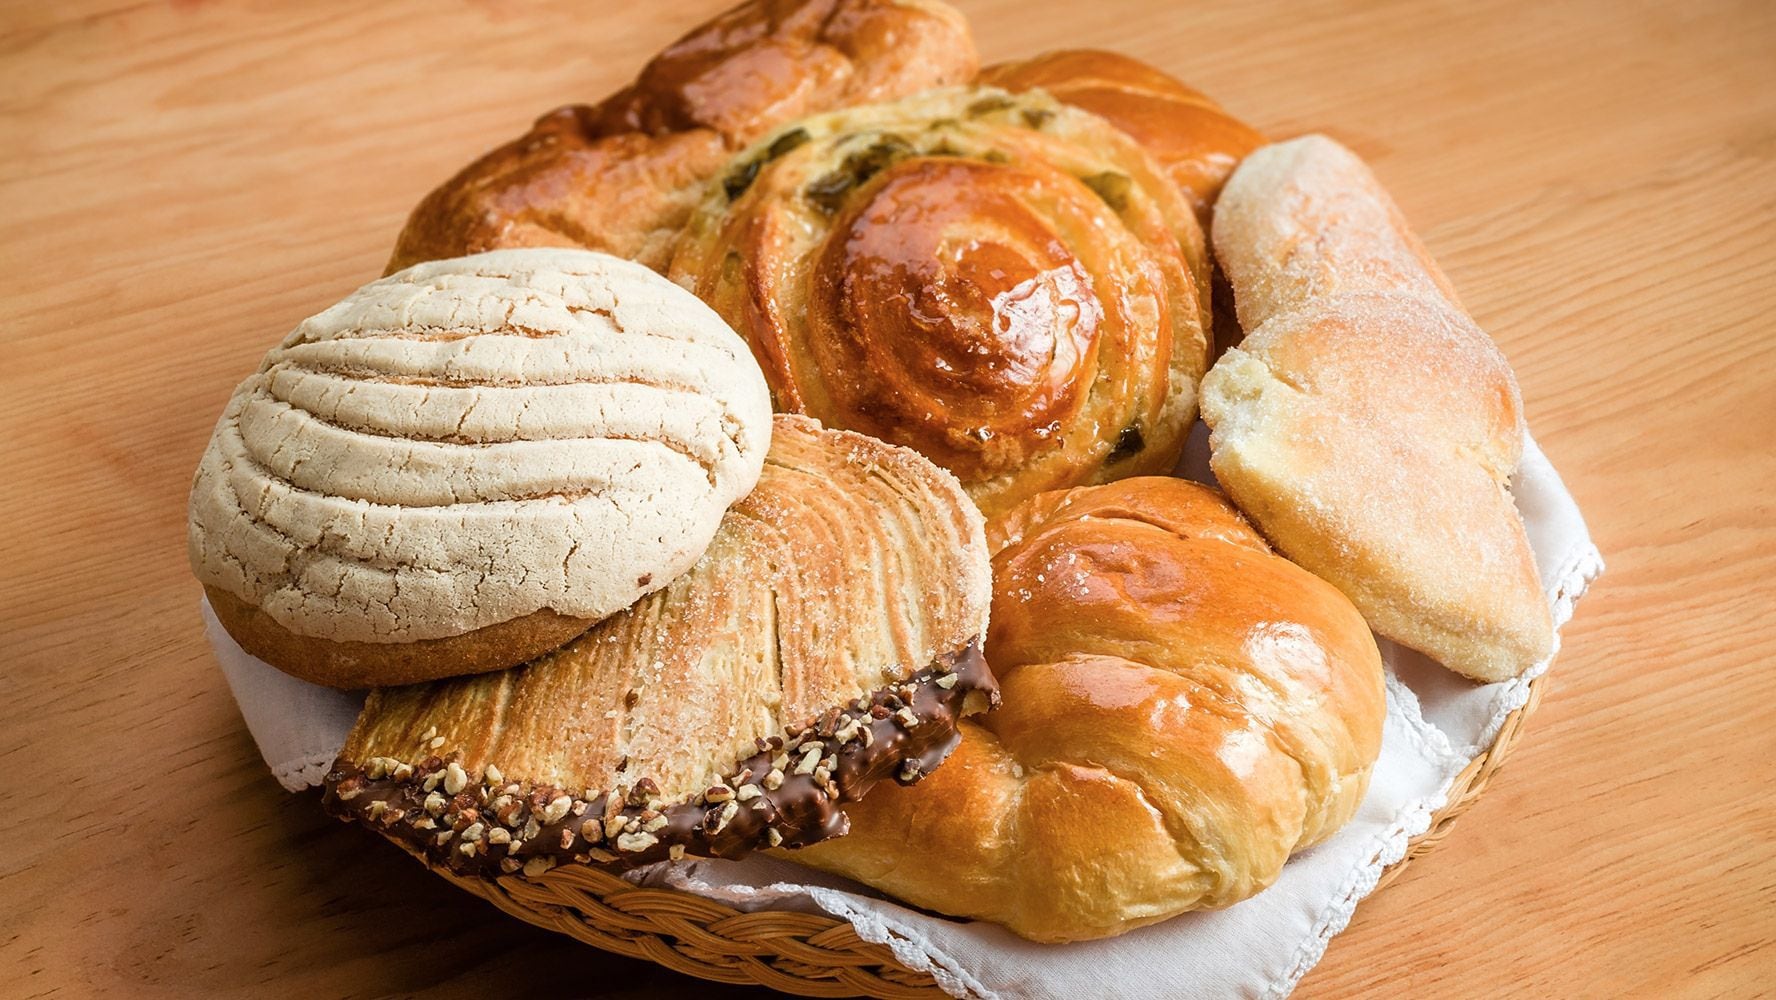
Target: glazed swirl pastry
(1183,710)
(464,465)
(828,638)
(621,176)
(1006,284)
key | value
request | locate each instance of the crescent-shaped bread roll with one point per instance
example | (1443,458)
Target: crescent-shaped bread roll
(1365,423)
(828,638)
(1004,283)
(1182,711)
(621,176)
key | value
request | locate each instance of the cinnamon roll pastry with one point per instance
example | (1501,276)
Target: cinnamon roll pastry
(1183,711)
(463,466)
(828,638)
(1004,283)
(622,175)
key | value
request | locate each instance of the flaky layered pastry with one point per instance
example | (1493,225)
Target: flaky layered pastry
(828,638)
(1182,711)
(1366,423)
(622,175)
(1004,283)
(464,465)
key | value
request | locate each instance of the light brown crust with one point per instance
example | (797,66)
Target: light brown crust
(1182,711)
(353,665)
(623,175)
(851,568)
(1365,423)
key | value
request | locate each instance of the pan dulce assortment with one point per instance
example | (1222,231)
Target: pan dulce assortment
(776,456)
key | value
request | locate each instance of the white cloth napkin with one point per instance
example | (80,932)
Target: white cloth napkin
(1436,724)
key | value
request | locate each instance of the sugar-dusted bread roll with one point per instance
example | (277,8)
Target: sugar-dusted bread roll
(1367,425)
(463,466)
(828,638)
(622,175)
(1004,283)
(1194,139)
(1182,711)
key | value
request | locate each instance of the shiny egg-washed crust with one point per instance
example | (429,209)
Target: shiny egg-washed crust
(1182,711)
(463,465)
(1366,423)
(621,176)
(847,594)
(1004,283)
(1194,139)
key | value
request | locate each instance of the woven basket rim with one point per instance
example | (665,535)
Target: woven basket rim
(814,954)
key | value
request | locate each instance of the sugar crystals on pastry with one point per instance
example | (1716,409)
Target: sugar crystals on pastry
(464,465)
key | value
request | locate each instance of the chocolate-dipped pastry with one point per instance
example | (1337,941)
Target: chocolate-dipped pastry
(621,176)
(1004,283)
(828,638)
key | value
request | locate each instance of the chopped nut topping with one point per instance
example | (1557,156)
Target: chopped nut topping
(654,824)
(772,837)
(601,855)
(910,770)
(748,792)
(676,852)
(499,835)
(567,838)
(592,831)
(444,836)
(467,848)
(430,732)
(510,865)
(376,768)
(718,794)
(377,808)
(492,775)
(474,831)
(822,774)
(557,809)
(455,778)
(538,865)
(424,823)
(579,808)
(437,741)
(348,792)
(780,762)
(531,828)
(431,781)
(906,718)
(402,772)
(435,803)
(809,759)
(613,825)
(636,841)
(722,818)
(774,780)
(946,681)
(868,735)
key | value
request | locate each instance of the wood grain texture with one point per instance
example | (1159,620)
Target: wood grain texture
(185,181)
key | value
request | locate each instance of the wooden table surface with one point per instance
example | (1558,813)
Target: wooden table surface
(182,182)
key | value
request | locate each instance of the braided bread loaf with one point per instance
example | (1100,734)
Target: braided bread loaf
(621,176)
(1182,711)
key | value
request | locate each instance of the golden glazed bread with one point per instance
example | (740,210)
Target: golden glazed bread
(1194,139)
(1365,423)
(828,638)
(1182,711)
(463,466)
(1004,283)
(622,175)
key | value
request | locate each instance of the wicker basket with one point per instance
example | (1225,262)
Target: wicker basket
(813,954)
